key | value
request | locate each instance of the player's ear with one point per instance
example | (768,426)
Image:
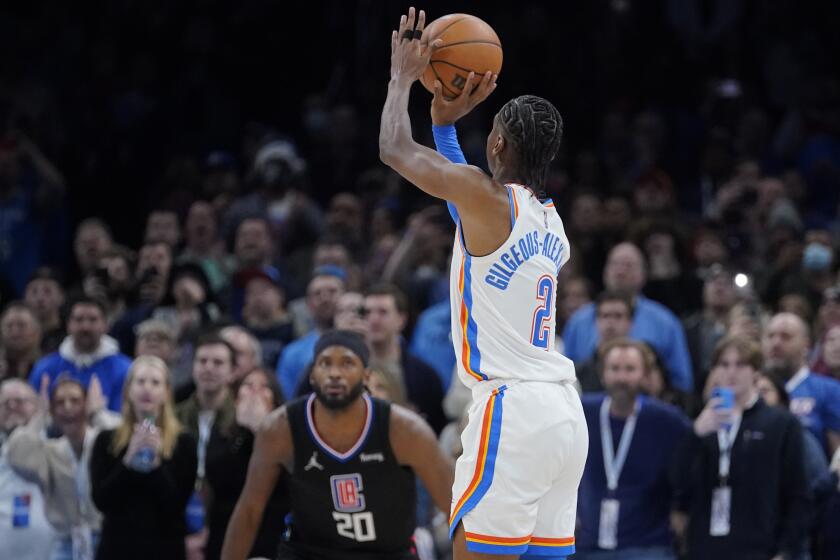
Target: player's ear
(366,377)
(499,145)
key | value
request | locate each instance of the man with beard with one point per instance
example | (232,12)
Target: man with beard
(625,497)
(351,460)
(85,352)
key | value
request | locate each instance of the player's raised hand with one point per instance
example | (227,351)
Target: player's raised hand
(447,111)
(410,47)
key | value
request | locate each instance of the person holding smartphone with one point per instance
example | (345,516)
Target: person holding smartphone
(742,490)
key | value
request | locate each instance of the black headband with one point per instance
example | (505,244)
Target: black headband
(348,339)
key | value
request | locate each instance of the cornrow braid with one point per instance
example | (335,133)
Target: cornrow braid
(535,128)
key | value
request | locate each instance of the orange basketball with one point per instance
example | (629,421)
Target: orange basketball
(469,44)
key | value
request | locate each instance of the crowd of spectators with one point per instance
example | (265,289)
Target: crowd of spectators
(186,203)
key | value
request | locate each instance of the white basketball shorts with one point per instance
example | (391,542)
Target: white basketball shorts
(516,483)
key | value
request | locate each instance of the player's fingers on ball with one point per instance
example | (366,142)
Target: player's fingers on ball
(438,90)
(394,40)
(468,87)
(421,21)
(402,26)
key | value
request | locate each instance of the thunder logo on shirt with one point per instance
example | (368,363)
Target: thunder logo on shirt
(519,252)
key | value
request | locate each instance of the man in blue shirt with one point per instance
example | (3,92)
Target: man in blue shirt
(814,398)
(86,352)
(625,497)
(432,339)
(652,322)
(322,294)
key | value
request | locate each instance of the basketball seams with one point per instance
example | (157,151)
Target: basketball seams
(450,24)
(469,42)
(446,87)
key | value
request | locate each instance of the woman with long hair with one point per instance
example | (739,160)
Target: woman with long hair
(143,472)
(227,467)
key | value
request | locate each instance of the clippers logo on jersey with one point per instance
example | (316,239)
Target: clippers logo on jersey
(347,492)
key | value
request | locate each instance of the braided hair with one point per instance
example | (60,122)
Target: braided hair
(535,128)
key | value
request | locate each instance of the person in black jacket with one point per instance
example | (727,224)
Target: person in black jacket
(741,478)
(143,472)
(227,467)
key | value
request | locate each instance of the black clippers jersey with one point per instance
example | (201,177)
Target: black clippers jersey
(358,504)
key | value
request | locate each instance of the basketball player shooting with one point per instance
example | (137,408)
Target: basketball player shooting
(525,445)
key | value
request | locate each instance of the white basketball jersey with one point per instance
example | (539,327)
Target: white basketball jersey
(503,304)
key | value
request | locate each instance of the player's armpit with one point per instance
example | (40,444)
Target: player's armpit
(415,445)
(272,450)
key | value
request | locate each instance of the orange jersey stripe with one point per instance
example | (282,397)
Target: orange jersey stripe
(465,346)
(487,539)
(515,205)
(482,456)
(542,541)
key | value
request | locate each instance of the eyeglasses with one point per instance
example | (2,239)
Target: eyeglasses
(16,401)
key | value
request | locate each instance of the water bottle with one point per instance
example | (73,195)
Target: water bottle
(144,459)
(195,513)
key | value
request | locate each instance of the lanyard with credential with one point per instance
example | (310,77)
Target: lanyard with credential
(614,463)
(726,439)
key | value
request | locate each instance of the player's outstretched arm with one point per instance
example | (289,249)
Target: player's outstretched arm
(415,445)
(465,186)
(272,452)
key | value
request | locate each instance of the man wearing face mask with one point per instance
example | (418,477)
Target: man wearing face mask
(625,494)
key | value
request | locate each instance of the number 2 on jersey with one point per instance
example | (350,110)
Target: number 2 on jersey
(543,314)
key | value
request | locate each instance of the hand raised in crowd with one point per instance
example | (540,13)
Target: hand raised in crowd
(251,409)
(44,394)
(712,418)
(141,437)
(95,398)
(477,89)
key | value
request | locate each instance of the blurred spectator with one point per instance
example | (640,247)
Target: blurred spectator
(92,242)
(163,226)
(264,311)
(432,339)
(31,195)
(203,244)
(669,280)
(704,328)
(25,532)
(111,282)
(613,318)
(253,245)
(584,231)
(652,322)
(386,312)
(350,313)
(188,307)
(142,509)
(151,280)
(420,262)
(247,348)
(827,361)
(60,466)
(227,467)
(574,293)
(86,351)
(158,338)
(322,294)
(828,311)
(625,494)
(279,174)
(814,399)
(741,476)
(20,341)
(45,296)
